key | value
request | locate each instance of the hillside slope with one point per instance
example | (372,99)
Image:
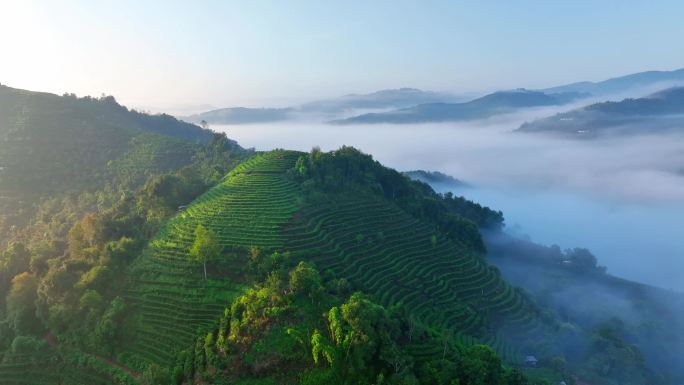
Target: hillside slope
(661,112)
(641,81)
(171,297)
(52,145)
(366,238)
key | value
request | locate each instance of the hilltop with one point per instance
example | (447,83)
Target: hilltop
(489,105)
(660,112)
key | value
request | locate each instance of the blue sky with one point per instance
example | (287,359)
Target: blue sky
(161,54)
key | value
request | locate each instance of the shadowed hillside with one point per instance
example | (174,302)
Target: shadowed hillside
(658,113)
(484,107)
(53,145)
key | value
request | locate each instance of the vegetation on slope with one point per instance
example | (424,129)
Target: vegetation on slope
(297,327)
(631,322)
(53,145)
(122,293)
(253,214)
(61,291)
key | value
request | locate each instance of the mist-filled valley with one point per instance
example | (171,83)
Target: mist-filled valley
(621,198)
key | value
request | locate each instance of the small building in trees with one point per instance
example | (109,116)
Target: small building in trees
(531,361)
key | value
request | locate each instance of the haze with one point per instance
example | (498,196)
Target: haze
(168,56)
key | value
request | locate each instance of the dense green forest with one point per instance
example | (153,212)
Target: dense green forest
(159,253)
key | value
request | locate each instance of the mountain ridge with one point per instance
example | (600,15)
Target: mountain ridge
(499,102)
(661,112)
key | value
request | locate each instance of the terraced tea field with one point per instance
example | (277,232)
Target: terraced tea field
(372,242)
(50,368)
(172,300)
(386,252)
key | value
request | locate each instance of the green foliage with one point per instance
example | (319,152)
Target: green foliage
(21,309)
(355,342)
(155,375)
(23,345)
(305,280)
(205,247)
(613,357)
(347,170)
(481,366)
(108,331)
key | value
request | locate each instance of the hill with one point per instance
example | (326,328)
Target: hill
(641,82)
(242,115)
(295,268)
(53,145)
(657,113)
(383,99)
(362,237)
(571,283)
(379,100)
(484,107)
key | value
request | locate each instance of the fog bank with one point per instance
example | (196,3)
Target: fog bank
(622,198)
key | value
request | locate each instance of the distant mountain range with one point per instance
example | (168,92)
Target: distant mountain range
(662,111)
(242,115)
(646,82)
(484,107)
(384,99)
(411,105)
(380,100)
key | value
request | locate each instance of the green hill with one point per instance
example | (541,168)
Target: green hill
(171,297)
(53,145)
(360,235)
(321,268)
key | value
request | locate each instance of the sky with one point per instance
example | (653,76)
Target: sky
(172,55)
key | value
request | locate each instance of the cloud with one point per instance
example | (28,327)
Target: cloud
(644,169)
(618,197)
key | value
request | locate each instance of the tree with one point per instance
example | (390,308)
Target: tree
(204,124)
(304,279)
(21,308)
(205,247)
(481,366)
(155,375)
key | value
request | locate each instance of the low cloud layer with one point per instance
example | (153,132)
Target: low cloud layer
(619,197)
(643,169)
